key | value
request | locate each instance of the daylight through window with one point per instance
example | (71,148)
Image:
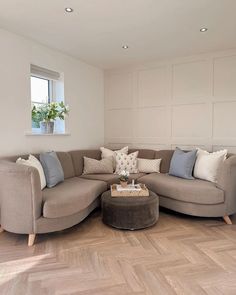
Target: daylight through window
(46,86)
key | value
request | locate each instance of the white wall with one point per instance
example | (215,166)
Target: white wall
(84,93)
(185,102)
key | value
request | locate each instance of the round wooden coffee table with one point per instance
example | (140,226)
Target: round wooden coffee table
(130,212)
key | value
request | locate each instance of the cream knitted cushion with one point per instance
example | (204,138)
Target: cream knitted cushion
(93,166)
(110,153)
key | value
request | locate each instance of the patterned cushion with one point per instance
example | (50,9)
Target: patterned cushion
(93,166)
(110,153)
(126,162)
(149,166)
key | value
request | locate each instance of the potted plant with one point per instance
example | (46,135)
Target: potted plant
(124,177)
(44,116)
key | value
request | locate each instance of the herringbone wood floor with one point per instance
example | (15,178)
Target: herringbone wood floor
(179,255)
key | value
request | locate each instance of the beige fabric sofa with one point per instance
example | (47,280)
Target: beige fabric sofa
(25,209)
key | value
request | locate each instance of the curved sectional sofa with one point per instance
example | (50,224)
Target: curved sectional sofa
(25,209)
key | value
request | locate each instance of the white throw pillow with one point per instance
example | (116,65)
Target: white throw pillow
(149,166)
(34,162)
(106,153)
(207,164)
(126,162)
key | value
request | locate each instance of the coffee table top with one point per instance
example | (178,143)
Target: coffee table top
(107,198)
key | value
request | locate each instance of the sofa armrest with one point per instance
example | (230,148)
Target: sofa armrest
(227,182)
(20,197)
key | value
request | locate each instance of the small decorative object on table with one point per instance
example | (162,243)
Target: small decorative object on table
(124,177)
(138,190)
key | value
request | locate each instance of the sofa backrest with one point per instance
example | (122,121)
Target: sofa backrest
(64,158)
(165,156)
(144,153)
(67,164)
(14,158)
(78,158)
(73,162)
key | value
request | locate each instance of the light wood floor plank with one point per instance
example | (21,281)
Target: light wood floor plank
(179,255)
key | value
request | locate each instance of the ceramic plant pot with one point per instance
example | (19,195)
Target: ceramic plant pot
(47,127)
(123,183)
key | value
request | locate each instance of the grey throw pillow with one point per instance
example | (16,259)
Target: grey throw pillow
(52,168)
(182,163)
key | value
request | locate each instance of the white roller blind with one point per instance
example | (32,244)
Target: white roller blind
(44,73)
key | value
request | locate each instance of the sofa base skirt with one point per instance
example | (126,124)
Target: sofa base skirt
(201,210)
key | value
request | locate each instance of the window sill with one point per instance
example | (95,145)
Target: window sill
(31,133)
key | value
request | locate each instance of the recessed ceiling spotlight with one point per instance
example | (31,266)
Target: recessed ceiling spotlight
(125,46)
(202,30)
(69,9)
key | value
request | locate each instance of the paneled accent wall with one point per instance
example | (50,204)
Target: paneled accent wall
(185,102)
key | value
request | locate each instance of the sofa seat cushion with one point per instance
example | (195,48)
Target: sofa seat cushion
(71,196)
(194,191)
(111,178)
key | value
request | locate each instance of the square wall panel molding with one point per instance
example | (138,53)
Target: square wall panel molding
(186,102)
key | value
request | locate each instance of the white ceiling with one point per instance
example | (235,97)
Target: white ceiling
(97,29)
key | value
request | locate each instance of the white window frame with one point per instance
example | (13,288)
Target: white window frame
(50,90)
(53,78)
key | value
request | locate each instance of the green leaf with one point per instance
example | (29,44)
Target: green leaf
(49,112)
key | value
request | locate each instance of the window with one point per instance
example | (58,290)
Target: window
(40,94)
(46,86)
(40,90)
